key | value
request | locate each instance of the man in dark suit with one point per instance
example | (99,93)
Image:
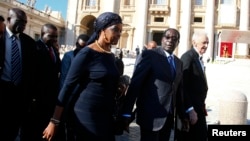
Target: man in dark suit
(2,26)
(47,84)
(15,88)
(151,45)
(156,86)
(195,88)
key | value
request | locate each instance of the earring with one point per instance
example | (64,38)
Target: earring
(105,38)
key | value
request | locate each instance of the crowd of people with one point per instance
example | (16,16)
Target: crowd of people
(44,97)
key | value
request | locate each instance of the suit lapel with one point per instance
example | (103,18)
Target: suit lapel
(198,64)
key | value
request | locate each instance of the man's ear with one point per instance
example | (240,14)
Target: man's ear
(193,43)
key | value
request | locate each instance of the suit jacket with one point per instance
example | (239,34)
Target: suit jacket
(194,79)
(65,65)
(154,91)
(47,78)
(28,50)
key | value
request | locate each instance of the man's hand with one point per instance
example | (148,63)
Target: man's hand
(193,118)
(185,125)
(126,121)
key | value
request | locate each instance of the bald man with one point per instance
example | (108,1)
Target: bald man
(151,45)
(17,90)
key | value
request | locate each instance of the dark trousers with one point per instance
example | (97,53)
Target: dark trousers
(12,109)
(161,135)
(36,120)
(197,132)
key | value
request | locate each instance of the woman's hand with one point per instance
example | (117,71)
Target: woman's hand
(50,131)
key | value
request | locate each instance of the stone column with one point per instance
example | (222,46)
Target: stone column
(140,24)
(185,22)
(70,22)
(174,13)
(242,48)
(209,27)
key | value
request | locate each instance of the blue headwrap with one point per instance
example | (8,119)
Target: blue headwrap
(104,20)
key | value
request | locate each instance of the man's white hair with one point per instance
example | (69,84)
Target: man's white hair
(198,34)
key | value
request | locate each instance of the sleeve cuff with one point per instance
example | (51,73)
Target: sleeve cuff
(126,115)
(189,109)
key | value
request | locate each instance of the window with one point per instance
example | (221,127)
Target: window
(227,2)
(158,19)
(91,2)
(126,2)
(198,2)
(198,19)
(161,2)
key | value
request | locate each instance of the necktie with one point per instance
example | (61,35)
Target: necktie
(172,66)
(51,53)
(202,64)
(173,73)
(203,67)
(16,69)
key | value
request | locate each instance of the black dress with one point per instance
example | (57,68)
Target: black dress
(98,77)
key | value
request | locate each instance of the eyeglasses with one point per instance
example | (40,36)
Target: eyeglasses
(174,38)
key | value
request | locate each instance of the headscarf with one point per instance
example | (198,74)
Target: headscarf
(104,20)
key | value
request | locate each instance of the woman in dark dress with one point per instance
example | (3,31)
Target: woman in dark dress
(94,69)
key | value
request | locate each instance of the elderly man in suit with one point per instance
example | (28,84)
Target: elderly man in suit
(156,87)
(17,64)
(195,88)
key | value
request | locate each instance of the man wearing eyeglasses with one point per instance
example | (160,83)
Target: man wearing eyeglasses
(156,88)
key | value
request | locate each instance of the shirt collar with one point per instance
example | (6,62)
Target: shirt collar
(200,55)
(168,54)
(11,34)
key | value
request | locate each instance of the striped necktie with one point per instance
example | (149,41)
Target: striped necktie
(16,68)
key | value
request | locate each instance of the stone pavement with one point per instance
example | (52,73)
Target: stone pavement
(221,76)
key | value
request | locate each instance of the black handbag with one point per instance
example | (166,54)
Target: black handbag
(119,102)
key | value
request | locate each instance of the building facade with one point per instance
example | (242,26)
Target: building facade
(146,20)
(35,18)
